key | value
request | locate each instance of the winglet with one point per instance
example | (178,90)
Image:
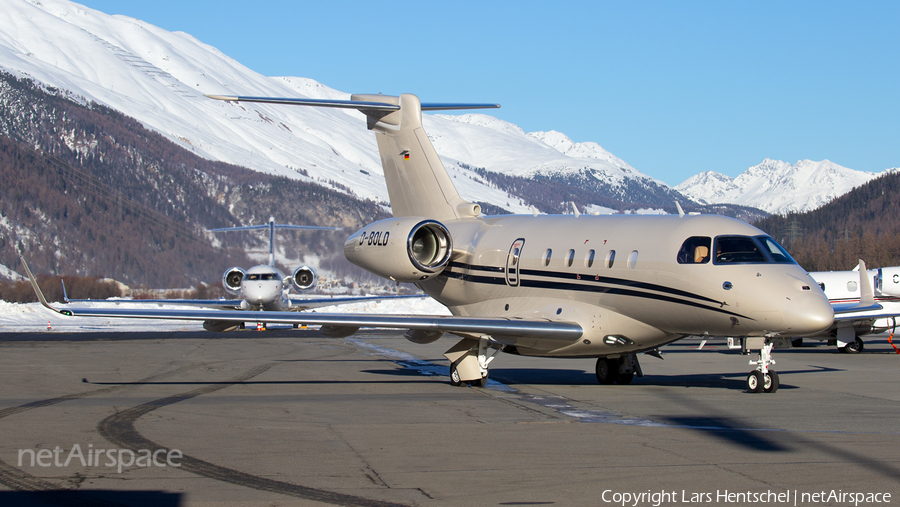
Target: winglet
(866,293)
(65,296)
(866,298)
(37,289)
(680,210)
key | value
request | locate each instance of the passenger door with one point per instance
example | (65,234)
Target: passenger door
(512,262)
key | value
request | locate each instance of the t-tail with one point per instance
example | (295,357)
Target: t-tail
(272,226)
(418,184)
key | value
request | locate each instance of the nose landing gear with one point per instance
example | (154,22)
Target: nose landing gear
(762,379)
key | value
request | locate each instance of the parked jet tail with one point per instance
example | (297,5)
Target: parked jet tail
(418,184)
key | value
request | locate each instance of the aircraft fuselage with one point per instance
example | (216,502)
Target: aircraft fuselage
(619,277)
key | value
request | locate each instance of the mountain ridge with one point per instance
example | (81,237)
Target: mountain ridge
(778,187)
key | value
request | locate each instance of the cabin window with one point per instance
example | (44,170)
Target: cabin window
(570,257)
(547,255)
(589,259)
(695,250)
(852,286)
(632,259)
(822,286)
(610,258)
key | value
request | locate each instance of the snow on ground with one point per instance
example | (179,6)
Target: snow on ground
(33,318)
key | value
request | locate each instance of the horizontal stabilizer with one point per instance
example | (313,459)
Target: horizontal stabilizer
(351,104)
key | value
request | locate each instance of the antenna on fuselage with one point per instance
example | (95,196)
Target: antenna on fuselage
(272,226)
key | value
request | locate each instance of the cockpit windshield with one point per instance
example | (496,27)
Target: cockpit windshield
(775,251)
(733,250)
(262,276)
(747,250)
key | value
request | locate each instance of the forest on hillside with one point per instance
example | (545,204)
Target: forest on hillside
(862,224)
(89,191)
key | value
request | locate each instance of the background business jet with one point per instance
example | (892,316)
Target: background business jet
(879,289)
(259,288)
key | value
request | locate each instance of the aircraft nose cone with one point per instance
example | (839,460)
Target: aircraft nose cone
(808,316)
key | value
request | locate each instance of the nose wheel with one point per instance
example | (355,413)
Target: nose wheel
(758,382)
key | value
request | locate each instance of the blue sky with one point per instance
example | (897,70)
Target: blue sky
(672,88)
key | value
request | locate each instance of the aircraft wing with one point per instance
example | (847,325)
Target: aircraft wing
(496,328)
(508,331)
(222,304)
(235,304)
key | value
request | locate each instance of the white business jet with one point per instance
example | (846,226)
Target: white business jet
(579,286)
(259,288)
(879,289)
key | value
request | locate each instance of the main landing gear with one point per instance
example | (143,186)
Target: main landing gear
(618,370)
(469,361)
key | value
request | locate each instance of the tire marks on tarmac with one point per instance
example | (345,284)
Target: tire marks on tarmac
(50,492)
(119,429)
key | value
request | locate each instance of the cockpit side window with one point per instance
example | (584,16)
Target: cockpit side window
(738,250)
(694,250)
(253,277)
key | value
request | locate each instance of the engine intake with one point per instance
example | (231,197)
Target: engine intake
(887,281)
(304,278)
(403,249)
(231,280)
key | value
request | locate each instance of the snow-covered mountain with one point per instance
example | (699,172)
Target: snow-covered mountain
(776,186)
(160,78)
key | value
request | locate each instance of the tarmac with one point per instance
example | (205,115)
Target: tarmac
(289,417)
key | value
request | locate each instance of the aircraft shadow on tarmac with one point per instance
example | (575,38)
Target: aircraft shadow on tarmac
(730,380)
(99,498)
(728,431)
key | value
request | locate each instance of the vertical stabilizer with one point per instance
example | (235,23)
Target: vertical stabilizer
(417,182)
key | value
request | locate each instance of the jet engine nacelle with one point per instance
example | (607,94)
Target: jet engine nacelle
(888,281)
(303,278)
(403,249)
(231,280)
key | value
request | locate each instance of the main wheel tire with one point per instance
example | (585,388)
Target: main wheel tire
(771,383)
(625,378)
(755,381)
(454,376)
(480,382)
(607,370)
(854,347)
(797,342)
